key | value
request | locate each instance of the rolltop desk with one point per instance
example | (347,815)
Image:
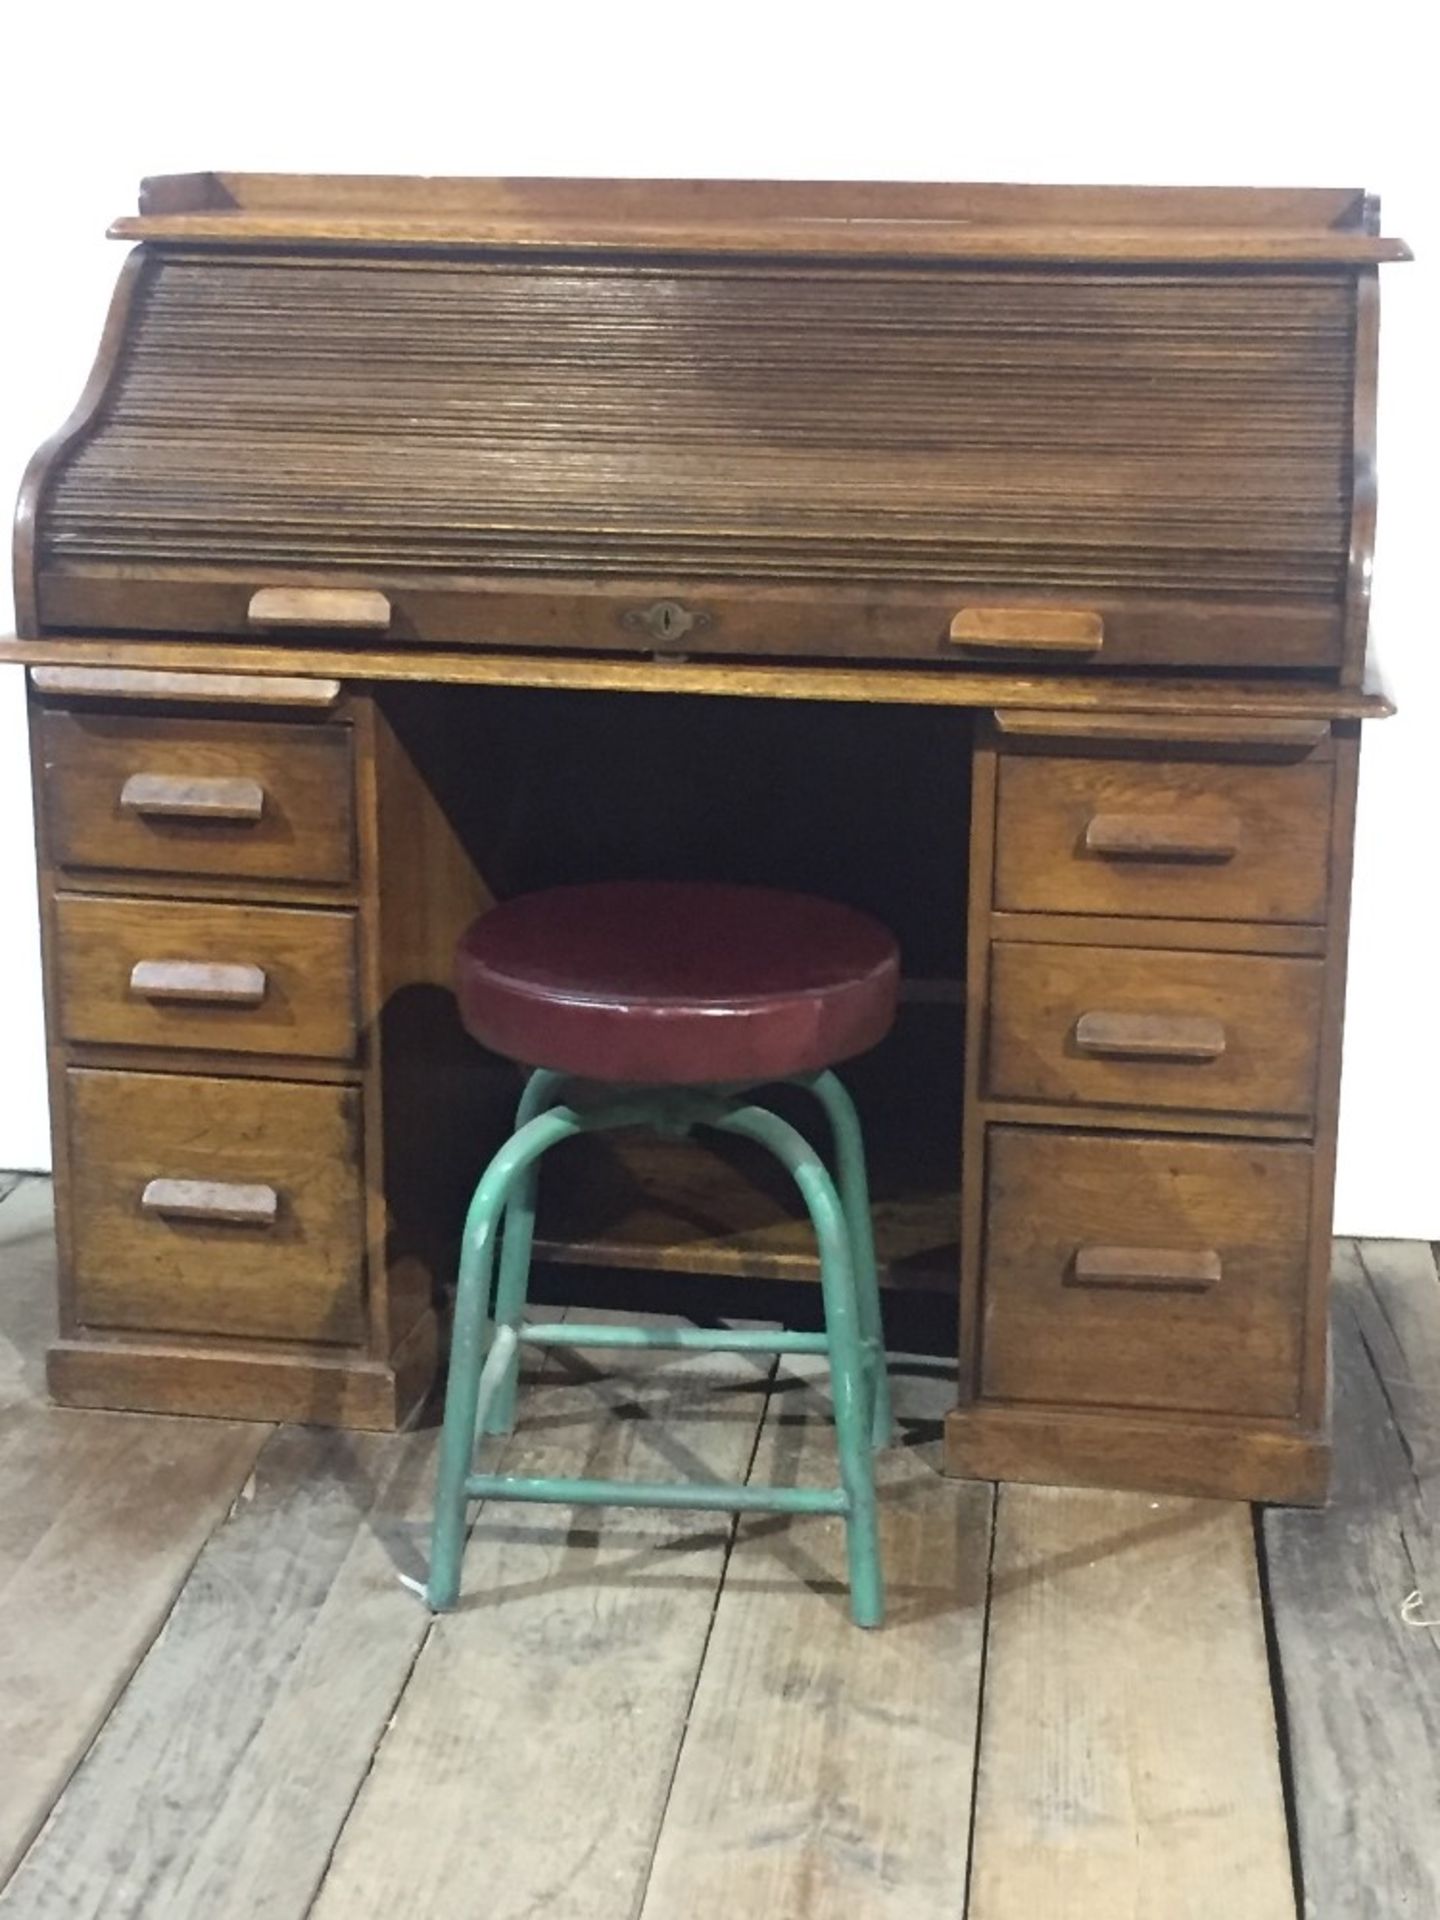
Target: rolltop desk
(995,558)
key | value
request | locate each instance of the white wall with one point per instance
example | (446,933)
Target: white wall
(1215,94)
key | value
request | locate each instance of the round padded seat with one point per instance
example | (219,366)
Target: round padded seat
(676,983)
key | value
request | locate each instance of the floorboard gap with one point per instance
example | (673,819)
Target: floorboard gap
(980,1698)
(1282,1715)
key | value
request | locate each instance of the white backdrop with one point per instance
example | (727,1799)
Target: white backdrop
(1266,94)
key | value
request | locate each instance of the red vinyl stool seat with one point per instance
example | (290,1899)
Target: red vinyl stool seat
(676,983)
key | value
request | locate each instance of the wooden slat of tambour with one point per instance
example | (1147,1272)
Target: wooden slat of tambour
(991,430)
(1128,1760)
(906,687)
(532,1752)
(101,1518)
(826,1770)
(1361,1683)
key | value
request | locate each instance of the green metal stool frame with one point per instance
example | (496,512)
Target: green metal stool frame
(484,1360)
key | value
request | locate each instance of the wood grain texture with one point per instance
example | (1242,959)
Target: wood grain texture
(226,1770)
(235,979)
(1361,1698)
(1278,870)
(316,1386)
(1163,836)
(200,982)
(205,689)
(47,457)
(826,1771)
(1213,1457)
(1128,1758)
(1247,737)
(339,607)
(173,796)
(101,1518)
(1152,434)
(574,1653)
(540,197)
(1199,1032)
(1232,1349)
(305,826)
(1186,1272)
(295,1274)
(250,1206)
(27,1299)
(1029,629)
(757,680)
(808,239)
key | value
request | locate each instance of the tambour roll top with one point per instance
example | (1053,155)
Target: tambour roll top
(1109,427)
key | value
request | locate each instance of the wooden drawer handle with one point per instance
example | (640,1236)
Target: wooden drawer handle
(1154,1036)
(242,1206)
(179,796)
(1157,1269)
(355,610)
(1028,629)
(1163,836)
(201,981)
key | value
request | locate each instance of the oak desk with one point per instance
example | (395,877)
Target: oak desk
(994,558)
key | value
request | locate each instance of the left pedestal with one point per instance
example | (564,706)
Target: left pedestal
(216,974)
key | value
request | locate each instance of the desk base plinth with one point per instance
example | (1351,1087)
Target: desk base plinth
(340,1390)
(1213,1459)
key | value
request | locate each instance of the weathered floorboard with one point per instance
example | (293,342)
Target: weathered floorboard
(27,1291)
(1128,1757)
(101,1518)
(826,1770)
(224,1773)
(528,1763)
(1361,1686)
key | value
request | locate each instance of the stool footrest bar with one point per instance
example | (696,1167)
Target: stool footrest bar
(717,1497)
(570,1333)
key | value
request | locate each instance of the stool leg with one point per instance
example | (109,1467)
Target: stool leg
(467,1344)
(542,1090)
(854,1185)
(849,1385)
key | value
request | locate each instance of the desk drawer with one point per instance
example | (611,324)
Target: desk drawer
(238,979)
(1138,1272)
(1178,838)
(242,798)
(1198,1032)
(216,1206)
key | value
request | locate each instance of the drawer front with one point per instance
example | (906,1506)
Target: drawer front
(1130,1272)
(1198,1032)
(216,1206)
(1187,839)
(239,979)
(242,798)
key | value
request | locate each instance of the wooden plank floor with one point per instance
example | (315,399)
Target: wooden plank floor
(218,1699)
